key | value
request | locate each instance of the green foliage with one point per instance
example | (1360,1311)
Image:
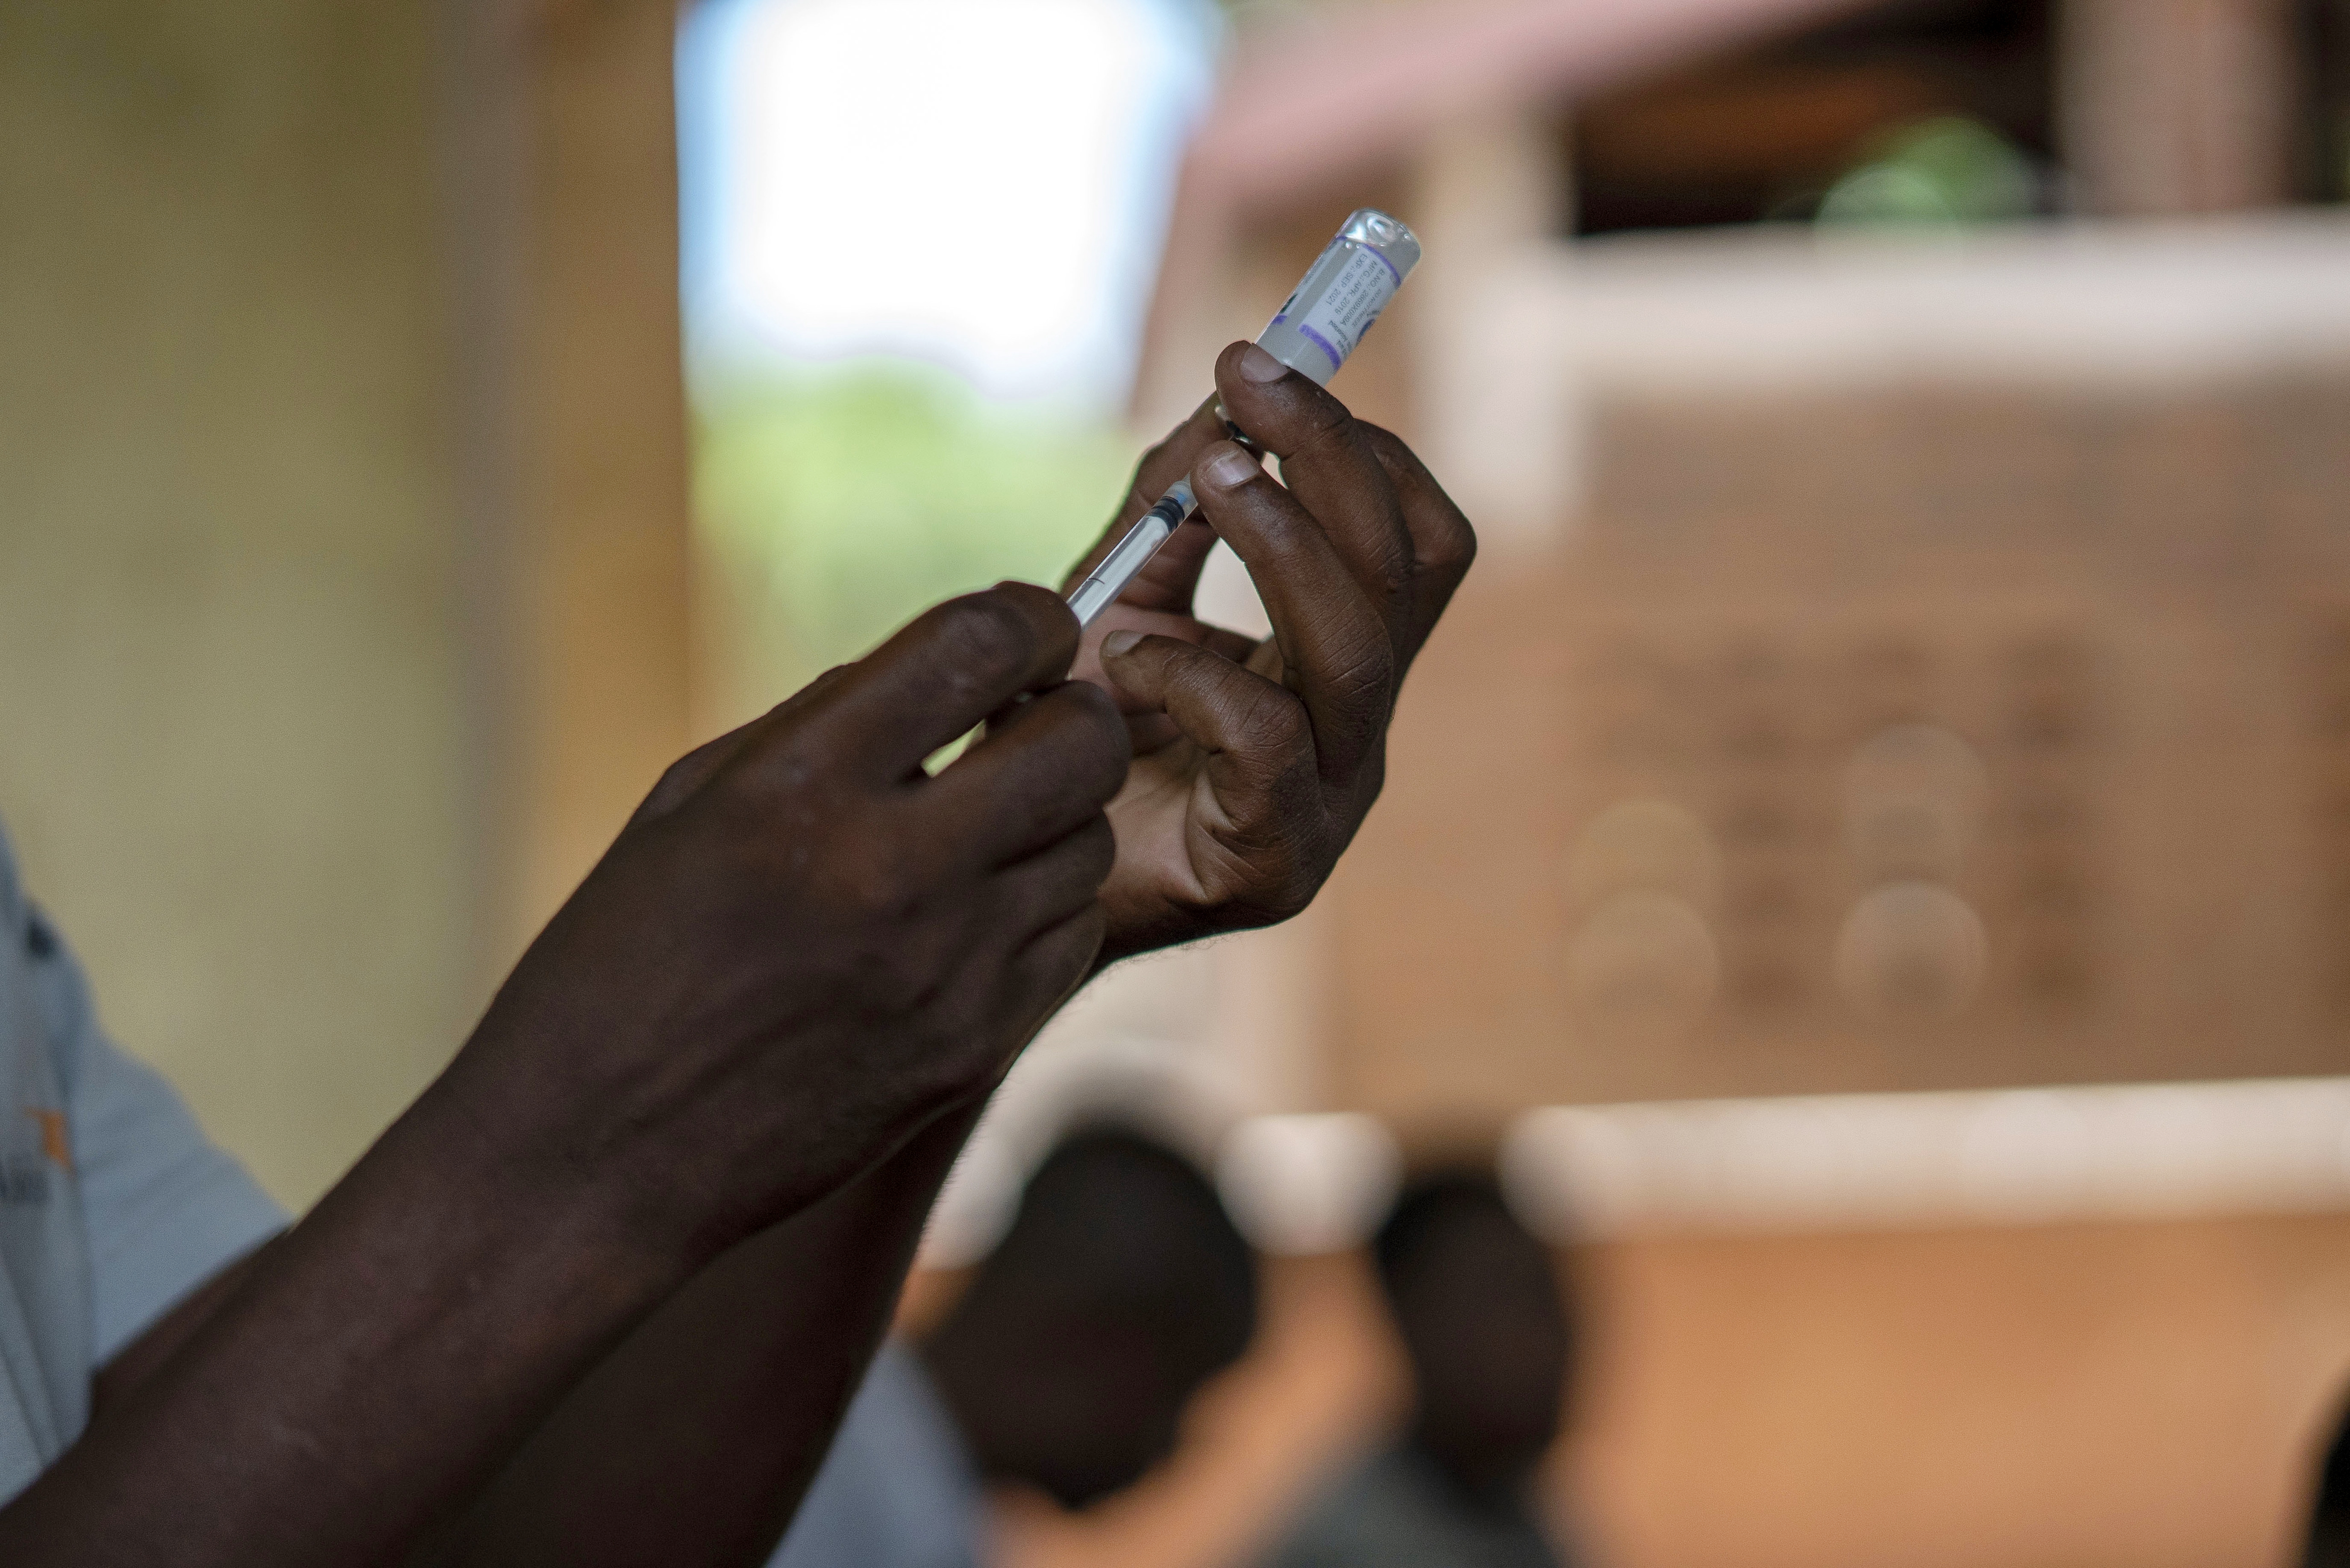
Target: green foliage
(837,504)
(1947,170)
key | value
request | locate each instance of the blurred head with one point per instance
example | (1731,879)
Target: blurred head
(1119,1289)
(1477,1301)
(2328,1543)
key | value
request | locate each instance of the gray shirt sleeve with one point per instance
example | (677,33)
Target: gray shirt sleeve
(163,1208)
(897,1489)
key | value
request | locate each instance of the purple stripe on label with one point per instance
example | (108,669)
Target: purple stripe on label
(1321,343)
(1385,263)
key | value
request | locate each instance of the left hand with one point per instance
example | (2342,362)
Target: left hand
(1254,762)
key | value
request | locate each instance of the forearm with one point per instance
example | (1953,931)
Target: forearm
(694,1442)
(373,1369)
(793,960)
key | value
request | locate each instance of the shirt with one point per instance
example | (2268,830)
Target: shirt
(898,1488)
(113,1206)
(1398,1509)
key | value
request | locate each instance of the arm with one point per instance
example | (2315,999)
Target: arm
(696,1440)
(139,1360)
(1253,767)
(733,1438)
(718,1409)
(803,952)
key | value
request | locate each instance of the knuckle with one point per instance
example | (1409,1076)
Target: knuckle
(1329,428)
(1275,721)
(680,775)
(1393,452)
(1444,539)
(767,781)
(677,780)
(873,879)
(987,633)
(808,694)
(1449,544)
(1363,671)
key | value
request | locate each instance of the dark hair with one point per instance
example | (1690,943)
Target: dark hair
(2328,1543)
(1476,1300)
(1429,1203)
(1435,1204)
(1115,1219)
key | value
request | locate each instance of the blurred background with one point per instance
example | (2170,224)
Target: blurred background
(1868,854)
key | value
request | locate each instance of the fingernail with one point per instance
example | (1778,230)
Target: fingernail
(1256,365)
(1119,642)
(1227,466)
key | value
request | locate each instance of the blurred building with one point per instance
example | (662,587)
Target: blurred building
(1905,657)
(1906,653)
(1902,659)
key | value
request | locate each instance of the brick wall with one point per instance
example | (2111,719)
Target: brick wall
(1923,738)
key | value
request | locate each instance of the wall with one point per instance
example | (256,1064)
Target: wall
(343,544)
(2034,1396)
(2028,1396)
(1825,496)
(230,703)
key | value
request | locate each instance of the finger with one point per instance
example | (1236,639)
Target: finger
(1039,773)
(690,772)
(946,670)
(1443,544)
(1232,644)
(1235,646)
(686,775)
(1168,581)
(1336,647)
(1257,737)
(1146,729)
(1328,464)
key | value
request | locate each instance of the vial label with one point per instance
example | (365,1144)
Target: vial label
(1331,320)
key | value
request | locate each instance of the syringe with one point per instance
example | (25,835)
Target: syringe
(1313,333)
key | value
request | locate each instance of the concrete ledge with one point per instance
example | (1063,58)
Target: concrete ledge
(1897,1161)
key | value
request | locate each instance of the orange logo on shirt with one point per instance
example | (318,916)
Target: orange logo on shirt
(54,1142)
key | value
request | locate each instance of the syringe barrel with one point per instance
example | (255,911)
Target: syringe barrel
(1342,295)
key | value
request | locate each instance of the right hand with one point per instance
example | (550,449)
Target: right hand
(802,947)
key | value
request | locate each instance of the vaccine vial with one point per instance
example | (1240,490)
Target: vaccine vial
(1314,333)
(1341,295)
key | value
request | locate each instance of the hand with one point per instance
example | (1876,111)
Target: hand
(802,947)
(1254,764)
